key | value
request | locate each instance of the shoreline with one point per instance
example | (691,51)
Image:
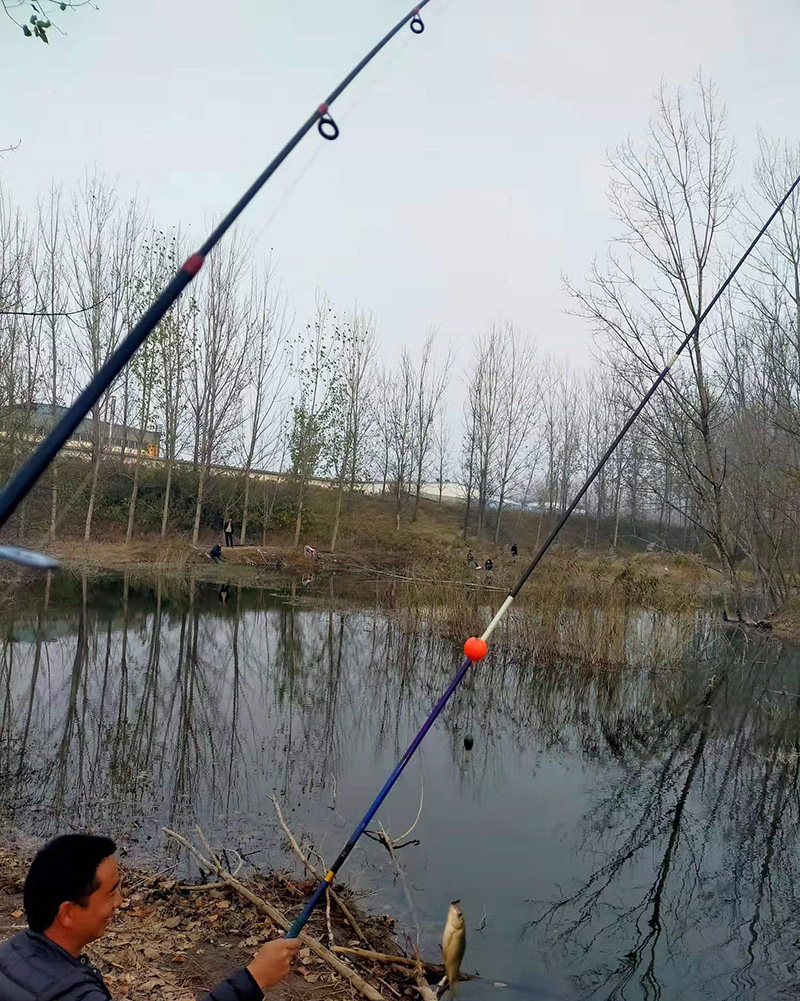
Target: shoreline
(653,580)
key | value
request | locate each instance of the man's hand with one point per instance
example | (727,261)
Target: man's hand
(271,963)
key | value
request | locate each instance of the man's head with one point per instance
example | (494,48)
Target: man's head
(72,890)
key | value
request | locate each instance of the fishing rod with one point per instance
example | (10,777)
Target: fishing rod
(25,478)
(476,647)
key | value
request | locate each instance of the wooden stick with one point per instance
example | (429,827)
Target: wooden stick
(426,992)
(280,919)
(331,942)
(310,866)
(384,957)
(388,957)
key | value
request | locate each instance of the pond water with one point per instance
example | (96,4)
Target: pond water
(627,832)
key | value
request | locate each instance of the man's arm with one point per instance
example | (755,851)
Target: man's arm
(239,986)
(269,967)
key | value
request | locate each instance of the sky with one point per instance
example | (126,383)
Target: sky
(471,171)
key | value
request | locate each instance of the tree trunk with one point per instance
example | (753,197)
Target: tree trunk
(199,505)
(356,439)
(597,521)
(92,495)
(245,505)
(385,469)
(335,533)
(264,516)
(54,502)
(419,487)
(167,489)
(398,501)
(499,515)
(466,516)
(299,521)
(132,501)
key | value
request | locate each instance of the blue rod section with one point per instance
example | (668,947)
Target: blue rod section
(319,892)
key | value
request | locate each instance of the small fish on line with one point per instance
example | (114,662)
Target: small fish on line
(454,942)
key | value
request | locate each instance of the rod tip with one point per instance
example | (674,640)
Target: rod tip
(475,648)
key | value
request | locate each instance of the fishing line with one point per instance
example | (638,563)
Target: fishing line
(356,101)
(18,486)
(476,648)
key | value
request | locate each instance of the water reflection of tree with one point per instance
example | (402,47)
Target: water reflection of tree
(707,806)
(151,700)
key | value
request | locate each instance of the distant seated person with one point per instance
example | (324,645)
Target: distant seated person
(488,565)
(310,551)
(215,553)
(514,549)
(71,893)
(470,558)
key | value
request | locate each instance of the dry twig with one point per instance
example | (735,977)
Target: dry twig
(280,919)
(387,957)
(316,872)
(331,943)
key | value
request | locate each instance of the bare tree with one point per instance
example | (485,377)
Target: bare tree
(441,445)
(145,369)
(519,397)
(673,201)
(400,413)
(469,450)
(216,372)
(104,252)
(52,297)
(430,383)
(352,411)
(485,394)
(178,328)
(266,334)
(316,371)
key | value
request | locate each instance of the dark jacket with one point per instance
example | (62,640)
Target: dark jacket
(34,968)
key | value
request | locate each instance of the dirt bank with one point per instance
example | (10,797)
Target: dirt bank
(786,622)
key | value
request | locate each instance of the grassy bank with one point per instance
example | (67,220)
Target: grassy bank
(422,571)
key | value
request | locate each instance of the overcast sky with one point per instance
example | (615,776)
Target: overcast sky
(471,169)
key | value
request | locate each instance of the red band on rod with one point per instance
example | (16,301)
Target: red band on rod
(193,264)
(322,109)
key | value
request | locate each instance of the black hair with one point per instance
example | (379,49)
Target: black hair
(65,869)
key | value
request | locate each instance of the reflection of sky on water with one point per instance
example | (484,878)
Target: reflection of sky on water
(627,833)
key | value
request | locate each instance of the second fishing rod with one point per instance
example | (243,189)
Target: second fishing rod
(476,647)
